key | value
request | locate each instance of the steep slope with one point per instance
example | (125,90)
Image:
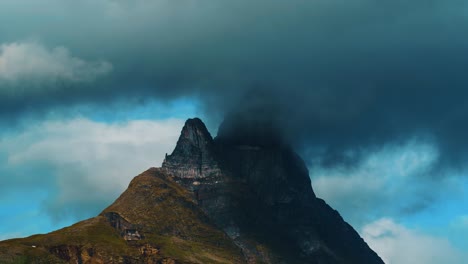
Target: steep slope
(244,197)
(153,221)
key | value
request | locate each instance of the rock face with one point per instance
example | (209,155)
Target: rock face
(243,197)
(192,158)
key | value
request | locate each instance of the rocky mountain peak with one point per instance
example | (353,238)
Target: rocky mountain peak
(248,174)
(194,133)
(193,155)
(243,198)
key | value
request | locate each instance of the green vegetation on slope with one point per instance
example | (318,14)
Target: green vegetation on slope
(174,231)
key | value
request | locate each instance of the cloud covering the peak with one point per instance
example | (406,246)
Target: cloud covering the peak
(337,75)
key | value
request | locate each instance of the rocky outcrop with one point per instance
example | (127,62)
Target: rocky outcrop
(192,157)
(76,254)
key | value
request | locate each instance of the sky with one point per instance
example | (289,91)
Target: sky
(370,93)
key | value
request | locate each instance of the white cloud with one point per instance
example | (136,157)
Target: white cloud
(397,244)
(91,162)
(386,176)
(36,64)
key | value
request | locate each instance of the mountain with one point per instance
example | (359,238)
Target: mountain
(243,197)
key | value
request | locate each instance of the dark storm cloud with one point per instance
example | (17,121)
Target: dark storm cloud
(338,75)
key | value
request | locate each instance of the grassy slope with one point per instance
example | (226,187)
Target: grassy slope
(162,210)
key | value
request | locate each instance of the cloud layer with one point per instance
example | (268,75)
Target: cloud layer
(397,244)
(32,63)
(337,75)
(80,164)
(394,176)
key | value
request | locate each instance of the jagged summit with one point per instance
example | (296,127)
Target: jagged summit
(229,200)
(195,133)
(193,154)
